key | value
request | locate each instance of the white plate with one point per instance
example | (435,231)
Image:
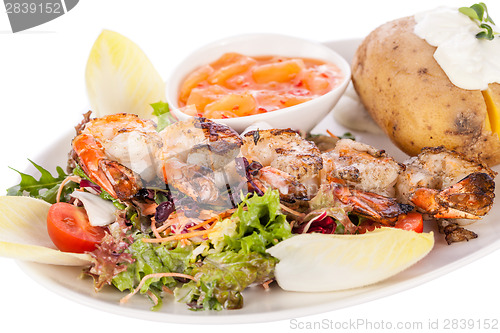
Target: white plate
(275,304)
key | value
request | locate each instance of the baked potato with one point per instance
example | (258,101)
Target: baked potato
(411,98)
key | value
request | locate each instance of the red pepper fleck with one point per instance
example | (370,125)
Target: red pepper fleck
(299,84)
(223,116)
(324,75)
(299,92)
(282,101)
(199,115)
(262,110)
(236,107)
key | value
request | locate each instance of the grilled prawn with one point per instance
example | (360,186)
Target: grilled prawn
(116,151)
(289,159)
(361,166)
(445,184)
(197,158)
(440,183)
(296,168)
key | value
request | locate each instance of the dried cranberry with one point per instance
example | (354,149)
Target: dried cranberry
(164,210)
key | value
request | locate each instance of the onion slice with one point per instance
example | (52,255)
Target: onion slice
(100,212)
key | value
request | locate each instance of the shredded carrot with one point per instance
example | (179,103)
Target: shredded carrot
(153,228)
(332,135)
(266,284)
(169,222)
(166,290)
(214,219)
(291,211)
(152,276)
(178,236)
(165,226)
(199,225)
(75,179)
(153,297)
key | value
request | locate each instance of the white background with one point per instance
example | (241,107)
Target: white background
(42,94)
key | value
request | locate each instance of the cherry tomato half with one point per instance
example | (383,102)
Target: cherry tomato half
(70,230)
(411,221)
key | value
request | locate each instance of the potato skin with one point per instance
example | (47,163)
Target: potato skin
(410,97)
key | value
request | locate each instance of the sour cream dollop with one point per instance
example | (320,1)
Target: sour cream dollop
(470,63)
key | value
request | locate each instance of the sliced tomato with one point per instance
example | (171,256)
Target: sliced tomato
(70,230)
(411,221)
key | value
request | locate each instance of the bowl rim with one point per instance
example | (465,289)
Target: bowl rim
(172,88)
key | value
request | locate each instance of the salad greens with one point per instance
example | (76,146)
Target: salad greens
(78,171)
(151,259)
(45,188)
(243,261)
(260,224)
(208,268)
(162,111)
(231,258)
(222,277)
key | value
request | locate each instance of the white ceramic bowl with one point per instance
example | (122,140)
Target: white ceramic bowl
(302,116)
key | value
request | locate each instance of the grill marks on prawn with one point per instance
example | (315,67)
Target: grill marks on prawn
(284,149)
(199,158)
(372,183)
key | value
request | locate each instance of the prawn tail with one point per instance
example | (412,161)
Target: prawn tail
(113,177)
(470,198)
(376,207)
(124,182)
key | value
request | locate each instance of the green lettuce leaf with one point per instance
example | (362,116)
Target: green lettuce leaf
(152,258)
(45,188)
(260,224)
(222,277)
(162,111)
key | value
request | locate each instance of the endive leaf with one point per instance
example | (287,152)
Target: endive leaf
(120,77)
(321,262)
(24,236)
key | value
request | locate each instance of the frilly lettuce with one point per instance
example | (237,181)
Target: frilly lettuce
(223,269)
(152,258)
(260,224)
(222,277)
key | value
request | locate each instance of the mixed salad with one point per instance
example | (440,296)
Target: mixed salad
(198,222)
(207,264)
(161,240)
